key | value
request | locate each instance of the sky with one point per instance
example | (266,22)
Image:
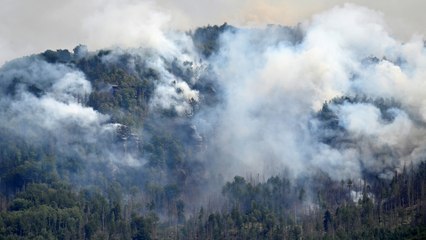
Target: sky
(32,26)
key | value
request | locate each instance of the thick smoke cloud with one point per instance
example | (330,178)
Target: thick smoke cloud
(45,105)
(270,83)
(274,86)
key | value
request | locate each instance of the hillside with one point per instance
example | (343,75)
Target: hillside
(231,133)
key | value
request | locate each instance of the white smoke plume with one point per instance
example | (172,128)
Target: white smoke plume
(274,87)
(272,84)
(44,104)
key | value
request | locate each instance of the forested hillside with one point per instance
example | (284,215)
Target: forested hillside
(188,143)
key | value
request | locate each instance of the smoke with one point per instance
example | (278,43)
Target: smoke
(32,26)
(336,92)
(275,85)
(128,24)
(45,105)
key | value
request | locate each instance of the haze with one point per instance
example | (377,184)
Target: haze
(30,26)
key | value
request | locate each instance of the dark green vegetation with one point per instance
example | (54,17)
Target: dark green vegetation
(47,192)
(277,209)
(207,39)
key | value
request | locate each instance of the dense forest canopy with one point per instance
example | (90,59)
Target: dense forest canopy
(278,132)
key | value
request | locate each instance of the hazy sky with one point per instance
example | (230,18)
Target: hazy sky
(31,26)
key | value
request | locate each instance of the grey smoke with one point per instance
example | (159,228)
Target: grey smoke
(272,82)
(275,84)
(44,104)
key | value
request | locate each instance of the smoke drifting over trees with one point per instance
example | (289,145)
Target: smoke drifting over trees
(169,122)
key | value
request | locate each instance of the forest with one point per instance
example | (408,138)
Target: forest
(113,144)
